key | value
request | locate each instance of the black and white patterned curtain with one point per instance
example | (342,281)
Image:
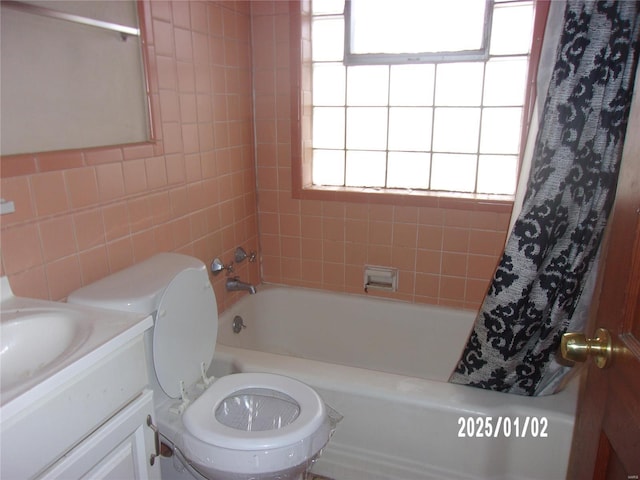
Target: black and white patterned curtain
(571,188)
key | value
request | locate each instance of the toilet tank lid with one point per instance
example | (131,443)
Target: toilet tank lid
(138,288)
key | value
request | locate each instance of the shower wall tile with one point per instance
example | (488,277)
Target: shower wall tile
(220,90)
(444,256)
(83,214)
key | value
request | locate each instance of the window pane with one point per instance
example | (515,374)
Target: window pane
(327,7)
(511,29)
(497,174)
(504,82)
(366,128)
(328,167)
(452,172)
(408,170)
(366,169)
(411,26)
(328,84)
(411,85)
(327,37)
(328,127)
(456,130)
(410,129)
(501,130)
(459,84)
(368,85)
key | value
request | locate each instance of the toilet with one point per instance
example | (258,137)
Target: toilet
(239,426)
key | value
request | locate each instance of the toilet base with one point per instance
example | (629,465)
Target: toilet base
(172,469)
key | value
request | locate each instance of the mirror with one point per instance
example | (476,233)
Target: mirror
(69,84)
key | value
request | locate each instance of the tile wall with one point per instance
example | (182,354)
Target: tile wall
(81,215)
(444,256)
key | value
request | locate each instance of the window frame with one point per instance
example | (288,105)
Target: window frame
(352,59)
(301,115)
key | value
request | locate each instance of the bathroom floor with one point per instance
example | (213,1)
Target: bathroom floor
(314,476)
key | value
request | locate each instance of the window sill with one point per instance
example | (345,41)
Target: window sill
(416,198)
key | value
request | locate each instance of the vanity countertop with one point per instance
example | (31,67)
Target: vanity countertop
(47,344)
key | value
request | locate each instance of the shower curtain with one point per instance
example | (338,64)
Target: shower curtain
(537,285)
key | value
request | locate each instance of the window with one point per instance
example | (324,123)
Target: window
(412,123)
(416,31)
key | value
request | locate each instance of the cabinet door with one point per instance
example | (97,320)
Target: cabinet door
(121,448)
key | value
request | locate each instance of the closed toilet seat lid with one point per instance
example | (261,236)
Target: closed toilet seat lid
(292,426)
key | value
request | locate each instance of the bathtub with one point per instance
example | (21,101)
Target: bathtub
(383,365)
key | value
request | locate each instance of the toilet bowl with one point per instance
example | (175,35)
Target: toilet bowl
(240,426)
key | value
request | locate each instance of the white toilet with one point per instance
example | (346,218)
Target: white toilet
(240,426)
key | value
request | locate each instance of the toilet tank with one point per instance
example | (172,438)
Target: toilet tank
(176,290)
(138,288)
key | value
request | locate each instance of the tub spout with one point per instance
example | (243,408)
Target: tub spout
(234,284)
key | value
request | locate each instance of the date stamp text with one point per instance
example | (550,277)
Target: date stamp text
(503,427)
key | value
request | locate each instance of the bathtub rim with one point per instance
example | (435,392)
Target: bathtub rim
(411,390)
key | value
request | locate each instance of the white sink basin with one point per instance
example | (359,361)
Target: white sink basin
(44,344)
(34,340)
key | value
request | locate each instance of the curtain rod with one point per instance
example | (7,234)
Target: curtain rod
(70,17)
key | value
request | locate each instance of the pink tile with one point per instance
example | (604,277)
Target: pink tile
(120,254)
(405,235)
(181,14)
(175,166)
(452,288)
(428,261)
(63,277)
(50,193)
(163,37)
(455,240)
(94,264)
(161,9)
(167,75)
(156,172)
(17,190)
(30,283)
(50,161)
(131,152)
(199,16)
(89,229)
(454,264)
(183,48)
(427,285)
(169,107)
(190,138)
(103,155)
(110,181)
(21,248)
(144,245)
(139,213)
(57,237)
(82,186)
(15,165)
(116,221)
(135,176)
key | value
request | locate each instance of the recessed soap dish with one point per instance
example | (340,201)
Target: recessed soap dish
(380,278)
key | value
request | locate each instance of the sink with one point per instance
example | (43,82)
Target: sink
(34,339)
(44,344)
(65,371)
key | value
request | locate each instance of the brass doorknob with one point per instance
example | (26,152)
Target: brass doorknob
(576,347)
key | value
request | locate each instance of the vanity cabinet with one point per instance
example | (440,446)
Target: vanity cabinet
(92,426)
(120,449)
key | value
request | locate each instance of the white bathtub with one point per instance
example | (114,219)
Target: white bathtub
(383,365)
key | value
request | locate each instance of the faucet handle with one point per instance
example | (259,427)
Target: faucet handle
(240,254)
(217,266)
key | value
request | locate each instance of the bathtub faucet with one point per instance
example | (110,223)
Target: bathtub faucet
(234,284)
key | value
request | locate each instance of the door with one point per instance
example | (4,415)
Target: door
(606,442)
(120,449)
